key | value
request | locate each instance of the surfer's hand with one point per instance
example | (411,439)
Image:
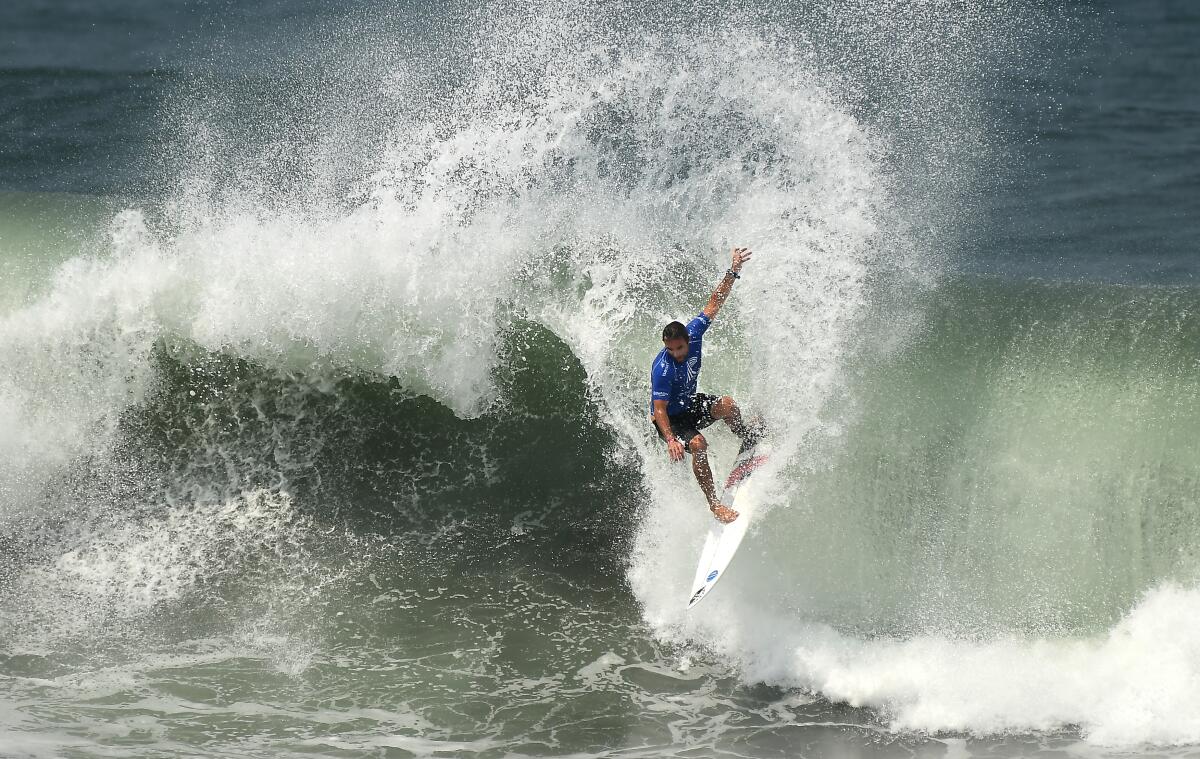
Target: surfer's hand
(675,448)
(740,256)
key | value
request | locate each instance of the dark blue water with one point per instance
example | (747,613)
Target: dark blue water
(1109,177)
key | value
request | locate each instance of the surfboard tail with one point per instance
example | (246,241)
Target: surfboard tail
(701,590)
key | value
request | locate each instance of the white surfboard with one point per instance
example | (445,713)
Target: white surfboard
(723,539)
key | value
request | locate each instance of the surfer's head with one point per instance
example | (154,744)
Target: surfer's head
(675,338)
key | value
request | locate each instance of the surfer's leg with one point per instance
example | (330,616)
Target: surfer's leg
(750,432)
(725,408)
(699,449)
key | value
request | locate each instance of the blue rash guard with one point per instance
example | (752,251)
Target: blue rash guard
(676,383)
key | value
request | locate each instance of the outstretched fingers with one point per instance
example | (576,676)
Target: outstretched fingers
(740,256)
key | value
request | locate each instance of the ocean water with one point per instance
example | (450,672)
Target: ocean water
(324,338)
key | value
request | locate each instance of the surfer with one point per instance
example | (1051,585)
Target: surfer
(678,411)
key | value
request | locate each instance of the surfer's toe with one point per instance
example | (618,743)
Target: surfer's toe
(724,514)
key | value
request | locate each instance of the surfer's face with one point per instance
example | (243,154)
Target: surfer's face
(677,348)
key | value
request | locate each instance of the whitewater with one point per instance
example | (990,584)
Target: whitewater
(239,422)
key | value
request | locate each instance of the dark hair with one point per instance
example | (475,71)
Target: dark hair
(674,331)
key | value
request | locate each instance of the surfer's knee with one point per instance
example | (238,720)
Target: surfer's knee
(724,407)
(698,445)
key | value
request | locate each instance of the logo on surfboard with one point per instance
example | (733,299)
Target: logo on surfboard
(711,576)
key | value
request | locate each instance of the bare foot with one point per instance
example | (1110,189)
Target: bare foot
(723,513)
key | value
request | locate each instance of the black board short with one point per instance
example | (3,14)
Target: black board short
(698,415)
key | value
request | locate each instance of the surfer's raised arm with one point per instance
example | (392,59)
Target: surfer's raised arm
(717,299)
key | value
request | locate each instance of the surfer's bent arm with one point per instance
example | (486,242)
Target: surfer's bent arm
(674,447)
(717,299)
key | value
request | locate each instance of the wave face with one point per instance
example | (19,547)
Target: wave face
(341,327)
(1027,427)
(1003,537)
